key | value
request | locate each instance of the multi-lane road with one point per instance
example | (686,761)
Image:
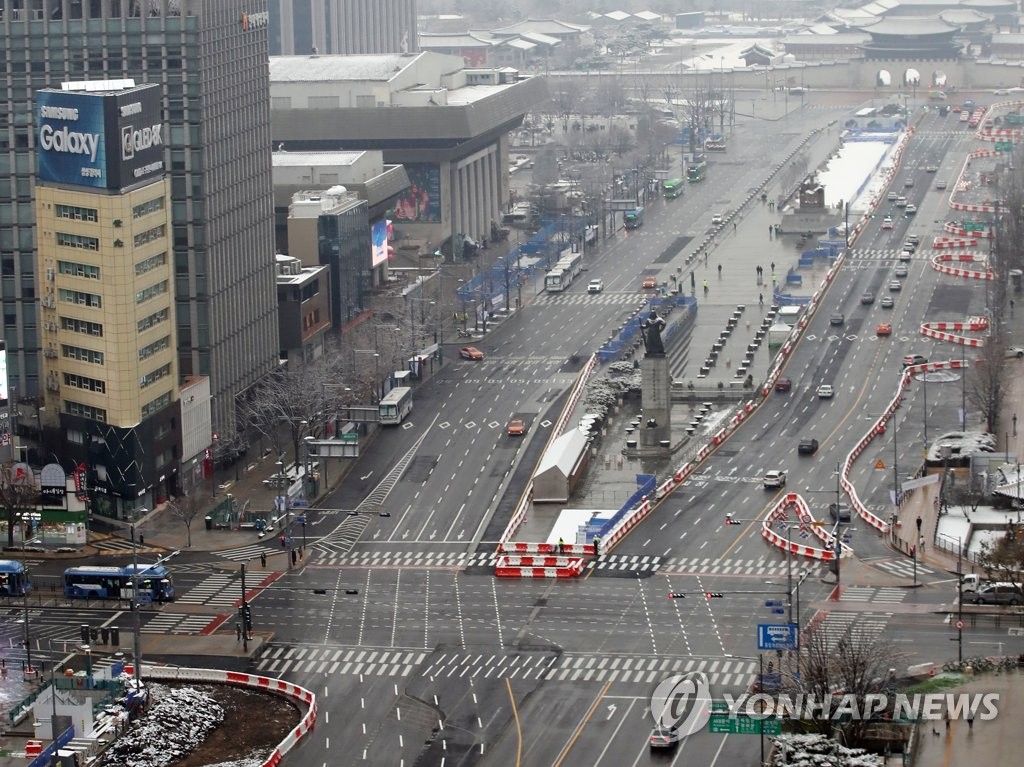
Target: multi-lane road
(420,656)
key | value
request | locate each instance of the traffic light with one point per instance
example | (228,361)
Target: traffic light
(83,631)
(676,595)
(713,595)
(247,617)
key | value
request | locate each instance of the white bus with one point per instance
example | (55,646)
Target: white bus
(557,280)
(395,406)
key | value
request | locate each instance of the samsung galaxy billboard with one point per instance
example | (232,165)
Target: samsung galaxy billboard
(100,139)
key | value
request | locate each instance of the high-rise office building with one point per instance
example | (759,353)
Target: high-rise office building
(209,58)
(342,26)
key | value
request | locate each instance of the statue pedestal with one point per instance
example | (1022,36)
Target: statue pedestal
(656,427)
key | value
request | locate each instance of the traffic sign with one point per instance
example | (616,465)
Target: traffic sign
(879,464)
(773,603)
(959,625)
(1004,146)
(974,226)
(777,636)
(741,724)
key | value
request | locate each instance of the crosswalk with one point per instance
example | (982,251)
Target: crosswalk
(458,664)
(172,623)
(871,594)
(410,559)
(877,254)
(623,298)
(245,553)
(761,566)
(114,545)
(217,590)
(860,627)
(903,568)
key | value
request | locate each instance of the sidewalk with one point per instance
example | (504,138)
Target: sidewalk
(989,743)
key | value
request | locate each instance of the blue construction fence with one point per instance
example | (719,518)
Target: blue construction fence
(600,528)
(628,336)
(541,251)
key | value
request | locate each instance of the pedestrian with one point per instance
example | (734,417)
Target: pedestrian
(760,299)
(282,540)
(561,546)
(705,258)
(597,547)
(920,544)
(142,539)
(919,523)
(970,721)
(734,229)
(238,632)
(263,560)
(773,263)
(705,287)
(946,717)
(771,230)
(719,271)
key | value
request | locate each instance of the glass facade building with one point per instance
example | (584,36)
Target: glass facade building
(210,59)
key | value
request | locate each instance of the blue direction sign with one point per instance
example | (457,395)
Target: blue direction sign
(777,636)
(773,603)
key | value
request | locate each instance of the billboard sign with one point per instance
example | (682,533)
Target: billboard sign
(100,139)
(421,202)
(379,238)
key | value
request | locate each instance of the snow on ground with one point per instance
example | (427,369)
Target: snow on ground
(955,527)
(177,723)
(845,174)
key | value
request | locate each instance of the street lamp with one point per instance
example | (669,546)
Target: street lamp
(282,497)
(959,596)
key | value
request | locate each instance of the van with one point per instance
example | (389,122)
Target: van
(970,582)
(998,594)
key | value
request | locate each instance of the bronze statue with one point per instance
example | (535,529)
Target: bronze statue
(651,329)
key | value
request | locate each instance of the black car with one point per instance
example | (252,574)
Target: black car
(807,446)
(837,319)
(839,513)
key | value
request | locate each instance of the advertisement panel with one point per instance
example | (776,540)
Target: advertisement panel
(102,140)
(71,139)
(421,202)
(379,239)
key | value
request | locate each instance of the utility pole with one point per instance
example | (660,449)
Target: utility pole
(244,615)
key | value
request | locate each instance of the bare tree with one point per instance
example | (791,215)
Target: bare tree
(229,447)
(985,380)
(856,663)
(1003,558)
(18,493)
(185,509)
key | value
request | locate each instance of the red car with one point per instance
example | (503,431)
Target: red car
(884,329)
(471,353)
(516,427)
(783,384)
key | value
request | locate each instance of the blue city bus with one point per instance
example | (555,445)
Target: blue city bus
(14,580)
(633,219)
(102,582)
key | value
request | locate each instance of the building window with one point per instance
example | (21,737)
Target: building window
(79,270)
(74,212)
(80,298)
(149,350)
(81,326)
(156,233)
(84,382)
(154,319)
(151,408)
(151,292)
(151,263)
(77,241)
(82,355)
(86,411)
(150,206)
(74,436)
(150,378)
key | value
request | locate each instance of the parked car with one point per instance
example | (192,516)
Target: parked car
(595,286)
(471,353)
(998,594)
(807,446)
(775,478)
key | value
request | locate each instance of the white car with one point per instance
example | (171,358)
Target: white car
(595,286)
(718,218)
(825,391)
(911,209)
(774,479)
(1015,352)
